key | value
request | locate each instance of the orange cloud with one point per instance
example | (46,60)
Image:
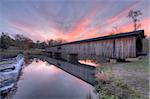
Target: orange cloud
(129,27)
(80,29)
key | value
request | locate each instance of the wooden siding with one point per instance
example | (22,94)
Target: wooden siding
(119,48)
(125,47)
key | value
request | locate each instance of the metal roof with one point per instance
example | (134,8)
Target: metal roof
(120,35)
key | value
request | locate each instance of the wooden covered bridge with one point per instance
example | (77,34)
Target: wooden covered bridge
(118,46)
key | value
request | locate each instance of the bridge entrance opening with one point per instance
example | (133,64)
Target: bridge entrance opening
(57,56)
(139,45)
(51,54)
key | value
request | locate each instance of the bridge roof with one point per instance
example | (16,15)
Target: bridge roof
(120,35)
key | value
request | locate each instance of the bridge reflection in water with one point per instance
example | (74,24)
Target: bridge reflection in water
(81,71)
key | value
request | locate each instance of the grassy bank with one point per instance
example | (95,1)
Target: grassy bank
(11,52)
(128,80)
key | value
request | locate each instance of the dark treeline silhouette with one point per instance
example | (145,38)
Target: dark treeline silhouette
(24,43)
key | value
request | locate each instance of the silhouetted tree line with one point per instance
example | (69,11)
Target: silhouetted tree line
(25,43)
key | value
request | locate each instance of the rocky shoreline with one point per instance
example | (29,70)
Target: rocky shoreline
(9,72)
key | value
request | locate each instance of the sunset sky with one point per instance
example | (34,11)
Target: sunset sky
(70,19)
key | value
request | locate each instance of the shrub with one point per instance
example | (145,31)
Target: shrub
(109,87)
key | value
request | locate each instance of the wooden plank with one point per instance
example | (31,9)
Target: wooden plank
(123,48)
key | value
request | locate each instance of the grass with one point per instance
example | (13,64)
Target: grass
(141,65)
(115,89)
(130,78)
(9,52)
(13,51)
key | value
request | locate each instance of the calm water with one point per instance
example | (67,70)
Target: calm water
(41,80)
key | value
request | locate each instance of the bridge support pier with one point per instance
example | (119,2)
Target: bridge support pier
(73,58)
(50,54)
(113,60)
(57,55)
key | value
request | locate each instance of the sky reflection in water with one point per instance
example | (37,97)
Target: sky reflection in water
(41,80)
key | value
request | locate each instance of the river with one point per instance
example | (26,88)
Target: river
(42,80)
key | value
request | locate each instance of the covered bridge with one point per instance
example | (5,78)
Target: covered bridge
(118,46)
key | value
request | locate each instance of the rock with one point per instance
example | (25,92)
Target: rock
(132,59)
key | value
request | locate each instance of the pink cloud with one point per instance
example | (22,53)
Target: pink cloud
(80,30)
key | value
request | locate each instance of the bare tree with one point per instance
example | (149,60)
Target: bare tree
(134,16)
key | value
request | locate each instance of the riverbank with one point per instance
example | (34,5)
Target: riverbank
(10,52)
(134,75)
